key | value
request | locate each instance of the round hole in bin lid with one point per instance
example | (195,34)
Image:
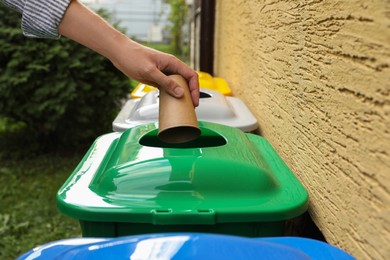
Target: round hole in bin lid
(201,95)
(204,95)
(207,138)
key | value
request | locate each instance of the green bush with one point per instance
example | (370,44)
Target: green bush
(64,93)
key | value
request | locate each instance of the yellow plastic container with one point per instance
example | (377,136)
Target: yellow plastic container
(205,81)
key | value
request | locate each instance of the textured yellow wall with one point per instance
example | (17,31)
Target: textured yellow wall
(317,76)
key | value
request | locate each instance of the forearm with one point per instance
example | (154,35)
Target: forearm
(87,28)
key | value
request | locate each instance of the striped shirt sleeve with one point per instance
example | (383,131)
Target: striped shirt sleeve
(40,18)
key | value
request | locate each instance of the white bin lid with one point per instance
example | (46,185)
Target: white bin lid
(213,107)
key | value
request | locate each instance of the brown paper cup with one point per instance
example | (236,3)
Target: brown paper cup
(177,122)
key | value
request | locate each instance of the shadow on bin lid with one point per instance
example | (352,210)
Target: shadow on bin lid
(187,246)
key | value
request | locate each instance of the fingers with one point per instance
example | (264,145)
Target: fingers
(155,63)
(193,83)
(161,80)
(173,88)
(175,66)
(194,89)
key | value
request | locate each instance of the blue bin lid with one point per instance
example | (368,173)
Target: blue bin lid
(187,246)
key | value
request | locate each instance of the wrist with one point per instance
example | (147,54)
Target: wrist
(113,45)
(121,51)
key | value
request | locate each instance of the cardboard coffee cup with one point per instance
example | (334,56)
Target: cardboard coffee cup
(177,118)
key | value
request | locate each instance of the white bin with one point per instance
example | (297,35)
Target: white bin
(213,107)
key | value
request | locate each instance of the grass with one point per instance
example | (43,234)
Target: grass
(28,213)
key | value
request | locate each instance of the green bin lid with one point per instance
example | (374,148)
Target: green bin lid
(225,175)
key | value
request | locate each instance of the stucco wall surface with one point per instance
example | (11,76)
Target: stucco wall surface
(317,76)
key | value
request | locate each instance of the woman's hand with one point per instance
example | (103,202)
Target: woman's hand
(151,67)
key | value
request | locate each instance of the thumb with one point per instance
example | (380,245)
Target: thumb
(169,85)
(174,89)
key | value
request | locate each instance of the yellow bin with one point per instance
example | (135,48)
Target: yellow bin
(205,81)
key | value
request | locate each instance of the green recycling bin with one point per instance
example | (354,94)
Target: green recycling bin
(226,182)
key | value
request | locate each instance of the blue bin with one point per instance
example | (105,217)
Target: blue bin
(187,246)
